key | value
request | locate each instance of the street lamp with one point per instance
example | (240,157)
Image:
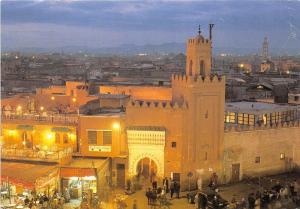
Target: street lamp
(116,125)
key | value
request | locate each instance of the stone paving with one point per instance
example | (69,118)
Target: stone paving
(238,191)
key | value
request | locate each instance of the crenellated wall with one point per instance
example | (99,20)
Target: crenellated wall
(199,81)
(198,56)
(157,104)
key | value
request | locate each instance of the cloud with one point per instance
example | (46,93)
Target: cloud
(120,22)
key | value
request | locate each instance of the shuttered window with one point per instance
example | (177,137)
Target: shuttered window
(57,138)
(92,137)
(107,137)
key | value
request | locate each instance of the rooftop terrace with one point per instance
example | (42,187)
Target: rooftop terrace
(258,107)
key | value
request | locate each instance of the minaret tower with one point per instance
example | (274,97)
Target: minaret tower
(198,56)
(265,49)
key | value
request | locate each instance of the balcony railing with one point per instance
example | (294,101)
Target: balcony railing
(36,155)
(55,119)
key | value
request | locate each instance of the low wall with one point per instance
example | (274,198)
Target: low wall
(277,147)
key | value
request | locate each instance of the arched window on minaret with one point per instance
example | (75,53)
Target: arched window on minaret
(202,68)
(191,68)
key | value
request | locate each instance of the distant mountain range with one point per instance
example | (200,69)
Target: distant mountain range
(130,49)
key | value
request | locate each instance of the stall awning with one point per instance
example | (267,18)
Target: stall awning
(60,129)
(25,127)
(82,168)
(77,172)
(26,174)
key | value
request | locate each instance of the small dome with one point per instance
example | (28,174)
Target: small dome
(200,37)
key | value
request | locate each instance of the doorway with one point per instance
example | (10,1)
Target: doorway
(147,168)
(235,175)
(121,175)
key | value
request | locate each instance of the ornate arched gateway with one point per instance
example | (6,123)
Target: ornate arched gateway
(146,150)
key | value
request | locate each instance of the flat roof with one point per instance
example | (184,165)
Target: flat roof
(258,107)
(106,112)
(113,96)
(86,163)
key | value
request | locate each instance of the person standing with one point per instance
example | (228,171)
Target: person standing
(197,202)
(257,203)
(202,201)
(154,184)
(199,183)
(251,201)
(134,206)
(172,188)
(148,195)
(296,188)
(166,184)
(177,189)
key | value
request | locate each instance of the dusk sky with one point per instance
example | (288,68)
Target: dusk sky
(49,24)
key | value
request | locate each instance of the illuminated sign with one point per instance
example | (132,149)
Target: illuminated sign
(100,148)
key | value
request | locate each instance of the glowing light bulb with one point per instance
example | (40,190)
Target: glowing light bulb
(116,125)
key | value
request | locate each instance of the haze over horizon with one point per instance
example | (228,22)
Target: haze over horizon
(98,24)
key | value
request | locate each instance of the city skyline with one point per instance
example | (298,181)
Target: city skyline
(98,24)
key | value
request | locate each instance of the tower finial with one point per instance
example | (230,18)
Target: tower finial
(199,30)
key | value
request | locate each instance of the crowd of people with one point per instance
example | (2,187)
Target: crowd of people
(275,198)
(155,193)
(41,201)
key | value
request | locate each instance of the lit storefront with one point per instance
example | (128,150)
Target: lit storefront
(81,176)
(78,180)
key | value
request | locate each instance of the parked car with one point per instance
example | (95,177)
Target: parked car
(214,200)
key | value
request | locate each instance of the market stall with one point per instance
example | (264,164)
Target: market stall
(25,178)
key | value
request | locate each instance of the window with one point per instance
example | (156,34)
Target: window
(232,117)
(257,159)
(191,68)
(206,114)
(173,144)
(92,137)
(265,119)
(205,156)
(66,138)
(107,137)
(175,176)
(282,156)
(57,138)
(202,68)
